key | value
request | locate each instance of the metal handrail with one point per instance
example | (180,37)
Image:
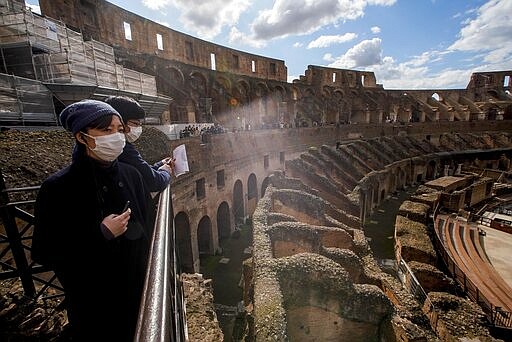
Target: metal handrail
(161,312)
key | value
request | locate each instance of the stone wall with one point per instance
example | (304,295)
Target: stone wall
(312,268)
(105,22)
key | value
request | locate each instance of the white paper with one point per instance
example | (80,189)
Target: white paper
(180,162)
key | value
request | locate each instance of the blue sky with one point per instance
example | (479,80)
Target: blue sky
(408,44)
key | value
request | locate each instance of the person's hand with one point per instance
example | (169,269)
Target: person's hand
(166,168)
(168,165)
(117,224)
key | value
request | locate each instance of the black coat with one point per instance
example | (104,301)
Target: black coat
(103,279)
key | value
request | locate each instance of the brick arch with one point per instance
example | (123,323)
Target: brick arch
(176,76)
(260,103)
(339,93)
(261,89)
(326,91)
(223,221)
(222,107)
(281,92)
(241,92)
(169,80)
(507,114)
(437,96)
(198,82)
(264,185)
(184,241)
(295,93)
(432,170)
(204,236)
(252,193)
(238,201)
(191,111)
(309,92)
(223,82)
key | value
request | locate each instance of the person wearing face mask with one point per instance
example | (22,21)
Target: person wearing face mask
(157,176)
(93,227)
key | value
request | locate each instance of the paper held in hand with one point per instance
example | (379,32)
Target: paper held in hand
(180,162)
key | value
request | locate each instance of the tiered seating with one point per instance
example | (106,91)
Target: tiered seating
(462,243)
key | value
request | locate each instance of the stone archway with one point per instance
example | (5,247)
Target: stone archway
(183,242)
(264,185)
(238,202)
(375,196)
(431,170)
(204,236)
(223,221)
(252,194)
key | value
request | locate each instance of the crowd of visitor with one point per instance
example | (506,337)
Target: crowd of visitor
(195,130)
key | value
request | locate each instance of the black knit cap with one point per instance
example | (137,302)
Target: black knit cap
(78,115)
(127,107)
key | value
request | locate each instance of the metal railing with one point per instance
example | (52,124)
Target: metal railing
(15,245)
(162,308)
(411,283)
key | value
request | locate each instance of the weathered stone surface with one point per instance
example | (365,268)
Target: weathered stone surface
(456,318)
(201,317)
(414,211)
(23,319)
(431,278)
(413,241)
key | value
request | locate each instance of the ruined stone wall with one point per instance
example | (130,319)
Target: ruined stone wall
(323,76)
(307,247)
(105,22)
(236,95)
(259,153)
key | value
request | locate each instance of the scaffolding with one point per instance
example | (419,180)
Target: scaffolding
(36,47)
(25,101)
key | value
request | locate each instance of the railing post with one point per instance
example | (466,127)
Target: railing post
(14,238)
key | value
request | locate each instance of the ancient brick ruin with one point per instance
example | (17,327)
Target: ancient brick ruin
(313,273)
(340,142)
(208,81)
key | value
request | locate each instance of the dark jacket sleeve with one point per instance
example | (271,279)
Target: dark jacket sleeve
(45,244)
(154,179)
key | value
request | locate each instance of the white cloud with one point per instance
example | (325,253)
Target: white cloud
(291,78)
(484,37)
(425,58)
(297,44)
(491,29)
(156,4)
(205,18)
(381,2)
(240,38)
(208,18)
(328,57)
(164,23)
(325,41)
(289,17)
(366,53)
(375,29)
(414,75)
(33,8)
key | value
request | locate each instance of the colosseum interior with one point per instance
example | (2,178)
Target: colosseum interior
(305,164)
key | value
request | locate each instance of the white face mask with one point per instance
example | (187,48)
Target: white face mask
(134,133)
(108,147)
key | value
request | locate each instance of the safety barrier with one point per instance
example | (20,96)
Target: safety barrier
(162,309)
